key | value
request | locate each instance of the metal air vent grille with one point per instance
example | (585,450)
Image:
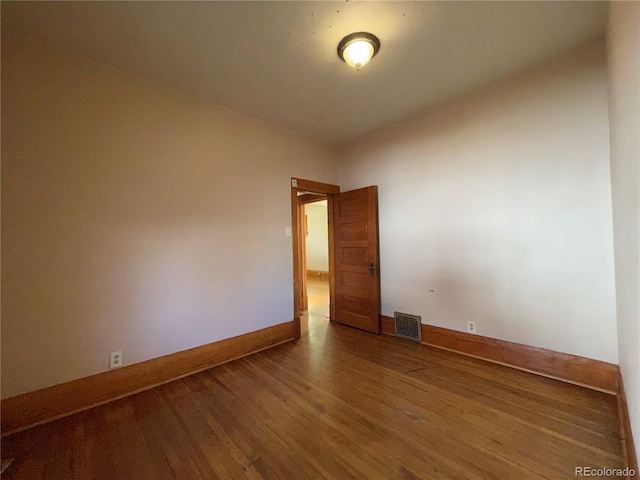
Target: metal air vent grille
(408,326)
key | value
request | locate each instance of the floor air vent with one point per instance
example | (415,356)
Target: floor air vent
(408,326)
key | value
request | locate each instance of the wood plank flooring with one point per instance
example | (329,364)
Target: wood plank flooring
(337,404)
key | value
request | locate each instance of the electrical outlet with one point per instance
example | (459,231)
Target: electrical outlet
(115,360)
(471,327)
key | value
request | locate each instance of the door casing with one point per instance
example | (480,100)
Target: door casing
(299,277)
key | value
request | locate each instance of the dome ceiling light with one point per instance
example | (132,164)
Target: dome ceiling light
(357,49)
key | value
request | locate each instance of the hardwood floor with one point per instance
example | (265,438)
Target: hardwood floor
(337,404)
(318,312)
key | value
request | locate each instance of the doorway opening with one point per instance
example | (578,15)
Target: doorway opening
(353,259)
(315,259)
(312,265)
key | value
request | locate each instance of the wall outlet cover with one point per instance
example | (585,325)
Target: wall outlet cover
(115,359)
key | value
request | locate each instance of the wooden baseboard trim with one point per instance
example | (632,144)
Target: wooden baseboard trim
(582,371)
(628,448)
(317,274)
(42,406)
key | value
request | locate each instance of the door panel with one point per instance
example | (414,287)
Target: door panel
(354,255)
(353,231)
(354,279)
(356,248)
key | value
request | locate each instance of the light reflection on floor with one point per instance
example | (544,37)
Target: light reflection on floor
(317,317)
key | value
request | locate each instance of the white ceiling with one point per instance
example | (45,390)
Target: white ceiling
(278,61)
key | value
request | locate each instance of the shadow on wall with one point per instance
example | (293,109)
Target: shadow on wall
(508,291)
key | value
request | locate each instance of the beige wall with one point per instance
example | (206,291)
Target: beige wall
(624,108)
(128,222)
(318,238)
(500,203)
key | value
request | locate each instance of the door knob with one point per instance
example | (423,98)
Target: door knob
(372,269)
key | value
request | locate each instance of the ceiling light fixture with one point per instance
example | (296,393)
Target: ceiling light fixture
(357,49)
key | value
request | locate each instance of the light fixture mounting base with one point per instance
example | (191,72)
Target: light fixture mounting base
(354,37)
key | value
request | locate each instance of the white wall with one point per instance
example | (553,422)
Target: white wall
(500,203)
(624,107)
(126,220)
(318,238)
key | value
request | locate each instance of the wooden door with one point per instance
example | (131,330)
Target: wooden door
(357,279)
